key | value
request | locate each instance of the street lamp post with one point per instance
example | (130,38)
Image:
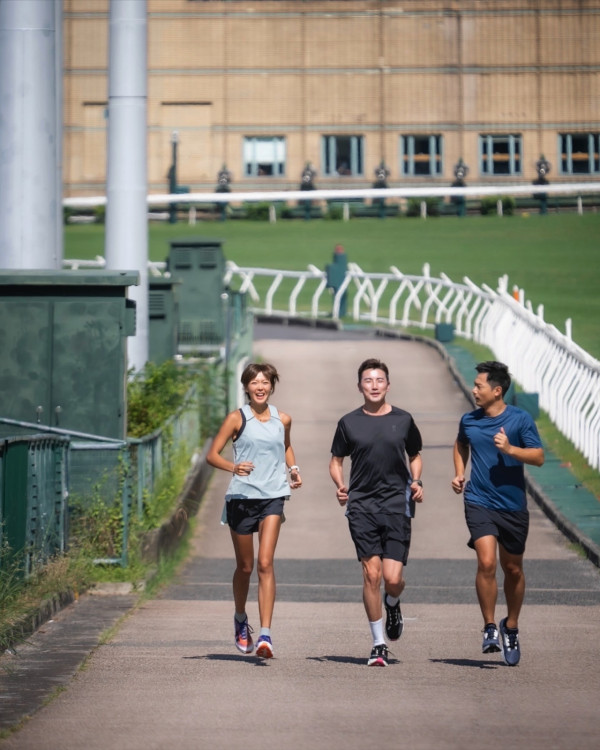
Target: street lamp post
(381,175)
(172,175)
(460,172)
(542,167)
(307,183)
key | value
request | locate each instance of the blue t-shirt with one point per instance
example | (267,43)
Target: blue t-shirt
(497,480)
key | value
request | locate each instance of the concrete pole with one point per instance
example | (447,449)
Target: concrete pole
(30,134)
(126,238)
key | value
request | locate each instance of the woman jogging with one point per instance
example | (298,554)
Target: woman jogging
(255,496)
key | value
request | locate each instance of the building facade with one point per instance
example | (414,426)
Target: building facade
(267,87)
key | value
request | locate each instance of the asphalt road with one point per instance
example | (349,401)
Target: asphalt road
(170,675)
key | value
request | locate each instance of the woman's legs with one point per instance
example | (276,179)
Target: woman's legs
(243,545)
(268,534)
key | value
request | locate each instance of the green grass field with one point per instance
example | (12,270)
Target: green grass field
(554,258)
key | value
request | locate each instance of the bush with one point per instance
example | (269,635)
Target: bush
(414,206)
(489,205)
(154,395)
(334,212)
(257,211)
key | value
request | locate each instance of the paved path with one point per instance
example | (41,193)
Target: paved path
(171,677)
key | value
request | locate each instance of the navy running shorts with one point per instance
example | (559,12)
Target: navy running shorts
(381,534)
(244,516)
(509,527)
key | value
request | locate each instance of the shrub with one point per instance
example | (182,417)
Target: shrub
(257,211)
(489,205)
(414,206)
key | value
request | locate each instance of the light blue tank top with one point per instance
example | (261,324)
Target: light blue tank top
(263,443)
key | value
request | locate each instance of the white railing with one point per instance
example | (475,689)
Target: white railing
(541,358)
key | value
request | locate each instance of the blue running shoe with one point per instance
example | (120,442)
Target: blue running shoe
(243,636)
(510,644)
(264,647)
(491,641)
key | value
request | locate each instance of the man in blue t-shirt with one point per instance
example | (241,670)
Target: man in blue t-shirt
(499,438)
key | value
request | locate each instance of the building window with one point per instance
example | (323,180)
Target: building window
(500,154)
(421,155)
(579,153)
(264,157)
(342,154)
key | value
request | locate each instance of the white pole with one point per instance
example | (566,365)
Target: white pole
(30,207)
(126,238)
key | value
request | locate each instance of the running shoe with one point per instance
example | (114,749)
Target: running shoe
(243,636)
(264,647)
(379,656)
(491,641)
(393,620)
(509,637)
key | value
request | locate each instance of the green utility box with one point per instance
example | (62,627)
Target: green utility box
(198,263)
(163,319)
(64,348)
(444,332)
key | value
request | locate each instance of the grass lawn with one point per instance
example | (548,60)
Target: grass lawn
(554,258)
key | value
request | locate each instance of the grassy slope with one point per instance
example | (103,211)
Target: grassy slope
(554,258)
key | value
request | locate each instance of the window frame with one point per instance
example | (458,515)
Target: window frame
(355,151)
(565,153)
(251,161)
(435,152)
(485,146)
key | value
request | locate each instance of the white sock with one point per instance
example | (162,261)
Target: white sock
(392,600)
(265,631)
(377,632)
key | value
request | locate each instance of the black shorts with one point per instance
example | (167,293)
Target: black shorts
(244,516)
(509,527)
(387,536)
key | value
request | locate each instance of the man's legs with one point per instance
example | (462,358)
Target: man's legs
(485,580)
(514,585)
(372,574)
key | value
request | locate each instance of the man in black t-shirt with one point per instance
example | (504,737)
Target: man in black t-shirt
(381,496)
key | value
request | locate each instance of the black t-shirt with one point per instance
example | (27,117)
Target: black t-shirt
(377,446)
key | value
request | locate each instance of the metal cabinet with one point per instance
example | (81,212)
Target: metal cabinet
(63,343)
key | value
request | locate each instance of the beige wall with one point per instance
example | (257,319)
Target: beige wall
(220,71)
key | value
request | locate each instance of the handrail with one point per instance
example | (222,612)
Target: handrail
(541,358)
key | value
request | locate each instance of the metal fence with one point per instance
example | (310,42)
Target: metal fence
(33,498)
(542,359)
(46,472)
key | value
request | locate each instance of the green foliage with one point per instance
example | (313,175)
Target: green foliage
(489,205)
(413,207)
(155,394)
(97,527)
(257,211)
(335,212)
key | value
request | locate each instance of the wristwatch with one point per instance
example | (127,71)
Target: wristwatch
(417,481)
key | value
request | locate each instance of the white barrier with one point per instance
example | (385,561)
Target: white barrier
(541,358)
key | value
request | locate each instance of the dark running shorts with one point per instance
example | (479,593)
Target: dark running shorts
(244,516)
(509,528)
(380,534)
